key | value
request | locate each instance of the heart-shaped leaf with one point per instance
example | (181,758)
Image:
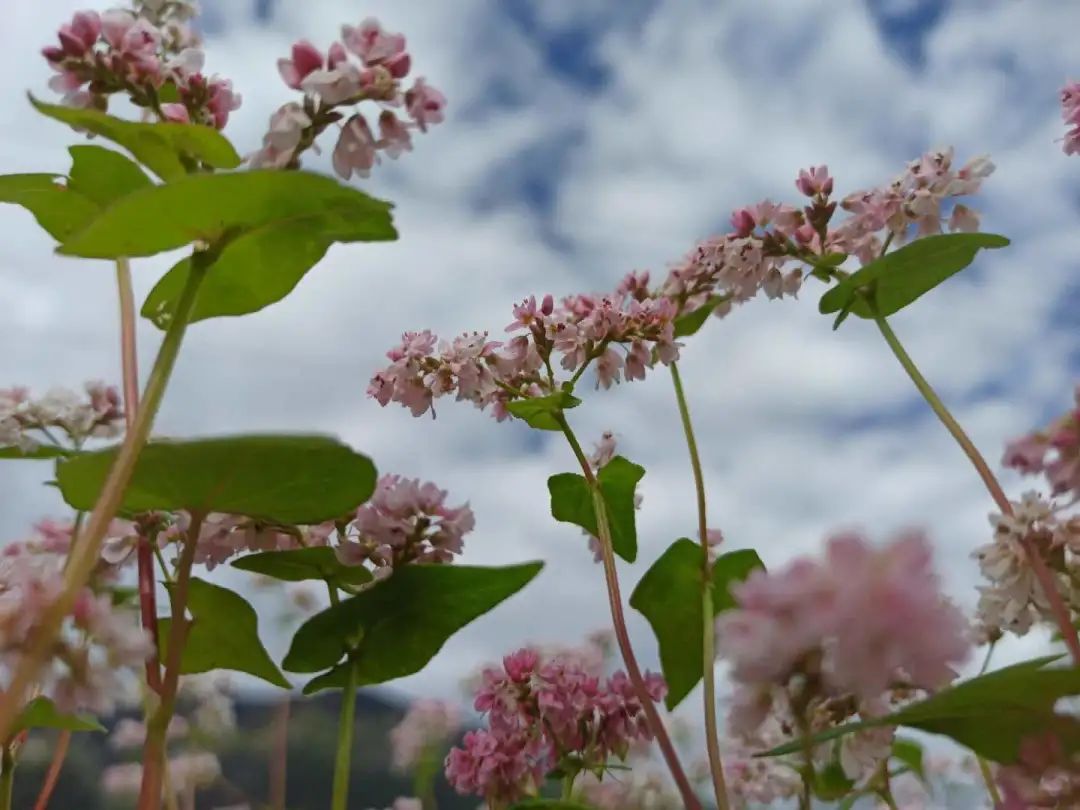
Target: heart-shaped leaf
(571,502)
(103,175)
(541,412)
(214,208)
(669,597)
(395,627)
(224,634)
(59,210)
(42,713)
(288,480)
(900,277)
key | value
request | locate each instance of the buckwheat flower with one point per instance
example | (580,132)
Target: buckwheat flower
(500,769)
(1053,451)
(405,521)
(1070,112)
(425,104)
(306,58)
(355,151)
(815,181)
(425,729)
(394,136)
(604,450)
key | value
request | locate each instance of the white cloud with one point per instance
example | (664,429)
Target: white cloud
(709,106)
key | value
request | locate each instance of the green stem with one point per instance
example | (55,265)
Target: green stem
(708,633)
(1045,577)
(988,778)
(618,621)
(86,550)
(568,786)
(7,777)
(343,759)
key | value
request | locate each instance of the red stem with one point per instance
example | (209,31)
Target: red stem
(53,775)
(280,755)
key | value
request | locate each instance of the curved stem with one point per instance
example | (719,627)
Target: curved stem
(343,759)
(708,633)
(157,727)
(53,774)
(87,548)
(7,777)
(991,785)
(618,620)
(1038,566)
(144,552)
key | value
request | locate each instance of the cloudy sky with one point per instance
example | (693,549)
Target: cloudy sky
(586,139)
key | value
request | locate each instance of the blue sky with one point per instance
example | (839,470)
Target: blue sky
(584,140)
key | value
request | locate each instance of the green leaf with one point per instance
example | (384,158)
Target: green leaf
(668,597)
(39,453)
(42,713)
(540,412)
(990,714)
(899,278)
(911,754)
(224,634)
(571,502)
(159,147)
(217,207)
(395,627)
(691,322)
(831,783)
(299,564)
(288,480)
(254,270)
(103,175)
(59,210)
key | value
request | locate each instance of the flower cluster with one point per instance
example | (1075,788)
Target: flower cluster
(426,727)
(150,53)
(367,64)
(1013,600)
(405,521)
(1045,776)
(26,422)
(1070,112)
(637,790)
(816,643)
(625,335)
(544,713)
(1053,451)
(99,644)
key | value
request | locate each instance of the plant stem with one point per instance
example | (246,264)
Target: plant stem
(7,776)
(86,550)
(129,362)
(988,778)
(343,760)
(618,620)
(280,755)
(55,766)
(158,725)
(568,787)
(1038,565)
(708,633)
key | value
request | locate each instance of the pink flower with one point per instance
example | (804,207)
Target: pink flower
(81,34)
(424,730)
(355,150)
(815,181)
(306,58)
(1070,112)
(222,101)
(393,136)
(334,86)
(425,104)
(176,113)
(377,47)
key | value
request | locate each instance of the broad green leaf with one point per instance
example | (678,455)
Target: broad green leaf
(224,634)
(103,175)
(911,754)
(42,713)
(59,210)
(691,322)
(160,147)
(900,277)
(571,502)
(39,453)
(831,783)
(990,714)
(254,270)
(299,564)
(540,412)
(287,480)
(395,627)
(668,596)
(217,207)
